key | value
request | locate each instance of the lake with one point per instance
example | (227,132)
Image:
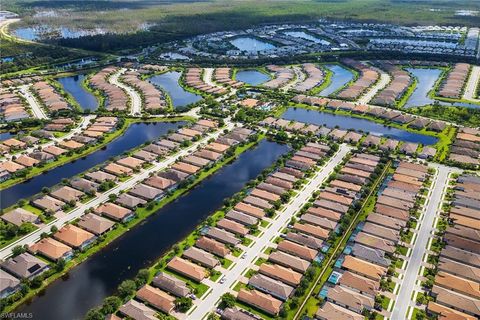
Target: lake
(251,44)
(306,36)
(252,77)
(135,135)
(345,122)
(73,85)
(180,97)
(340,77)
(98,277)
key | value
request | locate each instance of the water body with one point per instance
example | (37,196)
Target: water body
(426,79)
(89,283)
(7,135)
(250,44)
(358,124)
(135,135)
(339,78)
(73,85)
(179,96)
(44,32)
(306,36)
(252,77)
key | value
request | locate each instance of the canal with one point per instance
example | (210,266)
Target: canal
(98,277)
(340,77)
(135,135)
(73,85)
(345,122)
(180,97)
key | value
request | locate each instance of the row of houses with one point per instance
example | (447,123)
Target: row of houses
(198,261)
(282,76)
(115,97)
(350,136)
(153,98)
(456,290)
(16,82)
(398,86)
(367,77)
(354,284)
(49,97)
(278,277)
(51,152)
(454,83)
(12,108)
(314,77)
(224,77)
(466,147)
(194,78)
(395,116)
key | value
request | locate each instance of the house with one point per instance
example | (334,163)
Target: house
(56,151)
(130,201)
(159,182)
(8,284)
(100,176)
(305,240)
(186,168)
(297,250)
(10,166)
(273,287)
(48,203)
(359,283)
(52,249)
(74,237)
(283,274)
(269,196)
(156,298)
(130,162)
(117,170)
(145,155)
(25,266)
(223,236)
(67,194)
(115,212)
(289,261)
(19,216)
(364,268)
(444,313)
(350,299)
(250,210)
(202,257)
(369,254)
(145,192)
(241,217)
(26,161)
(260,300)
(456,300)
(84,185)
(458,284)
(331,311)
(208,154)
(232,226)
(237,314)
(171,284)
(375,242)
(137,310)
(187,269)
(212,246)
(95,224)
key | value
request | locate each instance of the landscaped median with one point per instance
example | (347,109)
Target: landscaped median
(60,268)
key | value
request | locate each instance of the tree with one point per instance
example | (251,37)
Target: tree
(183,304)
(95,314)
(142,277)
(111,304)
(17,250)
(60,264)
(228,300)
(127,288)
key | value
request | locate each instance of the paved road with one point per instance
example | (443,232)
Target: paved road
(299,77)
(440,183)
(472,83)
(384,80)
(206,305)
(208,77)
(79,211)
(135,99)
(33,102)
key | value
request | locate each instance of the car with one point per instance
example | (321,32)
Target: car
(222,280)
(243,256)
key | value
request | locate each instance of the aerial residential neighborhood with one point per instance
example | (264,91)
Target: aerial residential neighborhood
(240,160)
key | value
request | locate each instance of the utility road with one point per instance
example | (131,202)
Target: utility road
(206,305)
(33,103)
(435,198)
(135,99)
(80,210)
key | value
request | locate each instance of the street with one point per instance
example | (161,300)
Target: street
(33,103)
(135,99)
(80,210)
(472,84)
(381,83)
(203,307)
(439,185)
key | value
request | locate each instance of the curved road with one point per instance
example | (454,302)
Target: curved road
(135,99)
